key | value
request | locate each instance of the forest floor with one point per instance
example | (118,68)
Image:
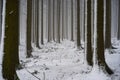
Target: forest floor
(64,62)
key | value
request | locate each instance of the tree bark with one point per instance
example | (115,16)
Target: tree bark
(88,35)
(78,25)
(63,27)
(33,21)
(53,20)
(108,25)
(11,40)
(66,28)
(118,35)
(72,39)
(29,21)
(100,38)
(92,25)
(37,24)
(84,20)
(42,41)
(49,20)
(58,17)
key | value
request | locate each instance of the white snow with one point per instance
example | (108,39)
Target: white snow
(0,66)
(2,38)
(64,62)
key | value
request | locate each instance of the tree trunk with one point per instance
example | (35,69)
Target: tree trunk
(1,6)
(33,21)
(53,20)
(63,27)
(11,40)
(100,38)
(58,17)
(84,20)
(49,20)
(88,34)
(78,25)
(108,25)
(66,28)
(92,25)
(72,21)
(28,39)
(42,42)
(37,24)
(118,35)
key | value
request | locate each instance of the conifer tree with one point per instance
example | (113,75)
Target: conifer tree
(11,41)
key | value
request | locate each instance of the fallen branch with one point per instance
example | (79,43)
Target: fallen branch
(31,73)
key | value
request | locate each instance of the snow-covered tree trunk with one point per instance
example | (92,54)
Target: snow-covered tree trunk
(1,6)
(95,34)
(11,40)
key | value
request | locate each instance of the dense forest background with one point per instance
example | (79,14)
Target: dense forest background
(59,39)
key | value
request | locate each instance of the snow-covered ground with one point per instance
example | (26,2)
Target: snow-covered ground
(64,62)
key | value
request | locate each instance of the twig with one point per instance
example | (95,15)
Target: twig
(32,74)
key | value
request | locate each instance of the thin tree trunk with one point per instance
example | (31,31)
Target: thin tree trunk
(49,20)
(53,20)
(72,39)
(58,17)
(63,31)
(78,25)
(92,25)
(11,41)
(66,28)
(118,35)
(34,27)
(42,42)
(32,21)
(84,20)
(1,6)
(28,39)
(37,24)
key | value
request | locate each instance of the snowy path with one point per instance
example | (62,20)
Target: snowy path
(64,62)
